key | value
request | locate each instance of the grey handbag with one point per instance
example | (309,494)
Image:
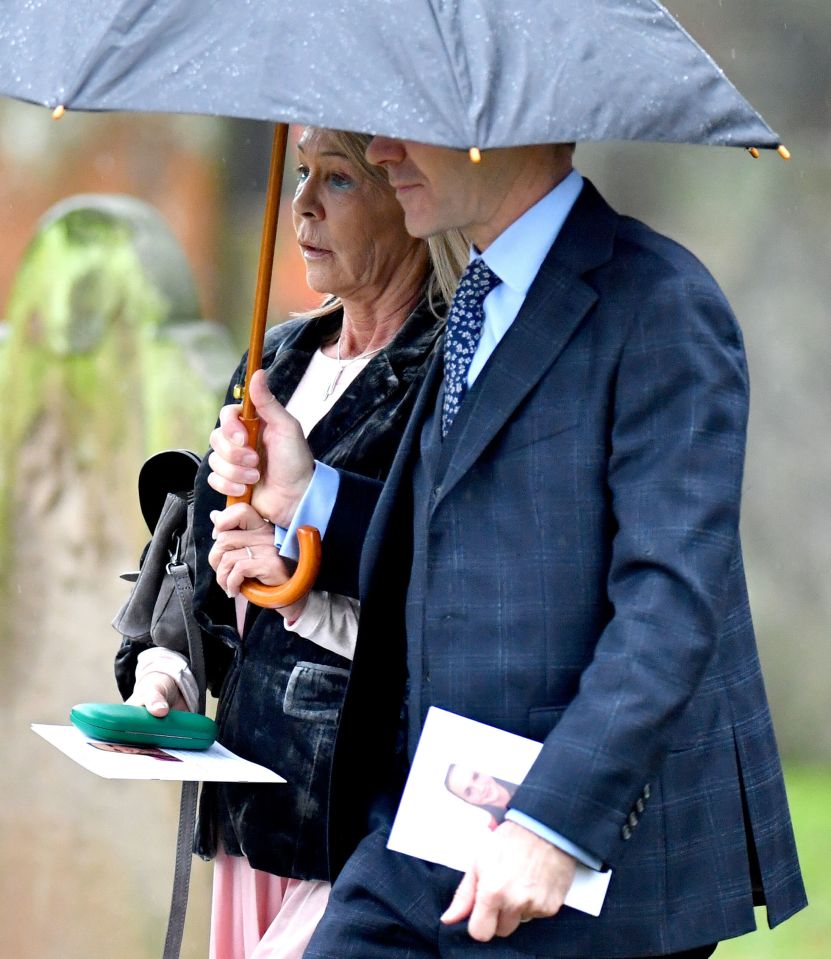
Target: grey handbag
(153,614)
(159,612)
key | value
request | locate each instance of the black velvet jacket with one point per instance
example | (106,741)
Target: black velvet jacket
(280,694)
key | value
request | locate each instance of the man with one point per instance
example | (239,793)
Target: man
(555,553)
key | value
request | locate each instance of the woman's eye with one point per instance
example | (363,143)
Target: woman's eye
(340,180)
(302,174)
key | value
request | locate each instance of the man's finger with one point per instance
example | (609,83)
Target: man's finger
(484,917)
(507,921)
(262,397)
(230,425)
(269,410)
(463,900)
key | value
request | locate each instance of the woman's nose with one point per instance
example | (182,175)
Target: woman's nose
(305,202)
(381,150)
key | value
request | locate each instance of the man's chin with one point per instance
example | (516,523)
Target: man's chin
(421,226)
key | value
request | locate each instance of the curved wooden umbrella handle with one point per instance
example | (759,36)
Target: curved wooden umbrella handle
(308,538)
(294,589)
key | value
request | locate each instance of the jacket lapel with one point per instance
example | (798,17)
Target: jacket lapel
(378,381)
(557,302)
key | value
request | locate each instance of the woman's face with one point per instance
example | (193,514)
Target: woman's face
(350,228)
(477,788)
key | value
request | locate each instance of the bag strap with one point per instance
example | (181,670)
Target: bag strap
(178,570)
(181,873)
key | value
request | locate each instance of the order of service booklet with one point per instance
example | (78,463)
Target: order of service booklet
(462,777)
(116,761)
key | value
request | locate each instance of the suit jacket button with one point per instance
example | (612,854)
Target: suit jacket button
(640,805)
(647,792)
(633,820)
(626,832)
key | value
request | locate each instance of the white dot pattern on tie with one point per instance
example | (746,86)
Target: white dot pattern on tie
(464,327)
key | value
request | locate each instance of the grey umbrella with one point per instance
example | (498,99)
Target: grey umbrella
(483,73)
(474,74)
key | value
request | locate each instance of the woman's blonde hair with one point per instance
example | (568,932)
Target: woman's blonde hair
(448,251)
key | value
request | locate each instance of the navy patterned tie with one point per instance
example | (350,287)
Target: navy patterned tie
(464,327)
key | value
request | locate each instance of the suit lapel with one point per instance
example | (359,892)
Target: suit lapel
(557,302)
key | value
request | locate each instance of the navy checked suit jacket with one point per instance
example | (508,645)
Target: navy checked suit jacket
(581,582)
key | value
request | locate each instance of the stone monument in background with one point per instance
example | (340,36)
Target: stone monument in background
(104,360)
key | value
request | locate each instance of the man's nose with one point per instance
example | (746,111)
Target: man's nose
(381,150)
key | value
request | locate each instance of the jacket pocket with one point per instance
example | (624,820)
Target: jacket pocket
(542,720)
(315,692)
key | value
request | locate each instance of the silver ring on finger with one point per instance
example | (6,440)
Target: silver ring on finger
(526,919)
(250,552)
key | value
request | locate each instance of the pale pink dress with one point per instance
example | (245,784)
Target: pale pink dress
(255,915)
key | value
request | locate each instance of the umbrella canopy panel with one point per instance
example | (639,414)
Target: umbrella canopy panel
(481,73)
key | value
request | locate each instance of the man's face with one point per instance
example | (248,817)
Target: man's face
(438,188)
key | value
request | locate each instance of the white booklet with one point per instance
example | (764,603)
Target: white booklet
(461,780)
(116,761)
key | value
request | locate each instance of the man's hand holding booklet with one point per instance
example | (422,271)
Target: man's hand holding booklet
(463,776)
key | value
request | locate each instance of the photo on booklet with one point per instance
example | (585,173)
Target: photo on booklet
(460,785)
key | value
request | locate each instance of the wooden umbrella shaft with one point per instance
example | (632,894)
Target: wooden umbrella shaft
(288,593)
(264,271)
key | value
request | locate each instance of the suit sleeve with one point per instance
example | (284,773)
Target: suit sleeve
(675,467)
(345,533)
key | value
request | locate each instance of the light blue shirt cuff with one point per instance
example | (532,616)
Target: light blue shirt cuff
(554,838)
(315,509)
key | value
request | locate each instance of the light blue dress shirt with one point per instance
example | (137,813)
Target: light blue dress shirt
(515,256)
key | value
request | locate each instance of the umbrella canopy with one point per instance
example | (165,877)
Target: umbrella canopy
(483,73)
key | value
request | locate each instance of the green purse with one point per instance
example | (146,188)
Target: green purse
(134,725)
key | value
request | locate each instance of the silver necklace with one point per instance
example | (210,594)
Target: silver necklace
(342,364)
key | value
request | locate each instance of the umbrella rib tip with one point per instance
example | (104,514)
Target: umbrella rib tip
(782,150)
(475,155)
(58,112)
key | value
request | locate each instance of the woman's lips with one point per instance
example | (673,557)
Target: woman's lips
(314,252)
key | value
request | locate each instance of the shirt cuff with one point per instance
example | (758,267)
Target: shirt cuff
(315,509)
(543,831)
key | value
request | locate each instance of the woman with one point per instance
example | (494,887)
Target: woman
(480,789)
(349,373)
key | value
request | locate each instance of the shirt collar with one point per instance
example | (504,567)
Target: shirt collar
(516,255)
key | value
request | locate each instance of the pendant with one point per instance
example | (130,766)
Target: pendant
(330,389)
